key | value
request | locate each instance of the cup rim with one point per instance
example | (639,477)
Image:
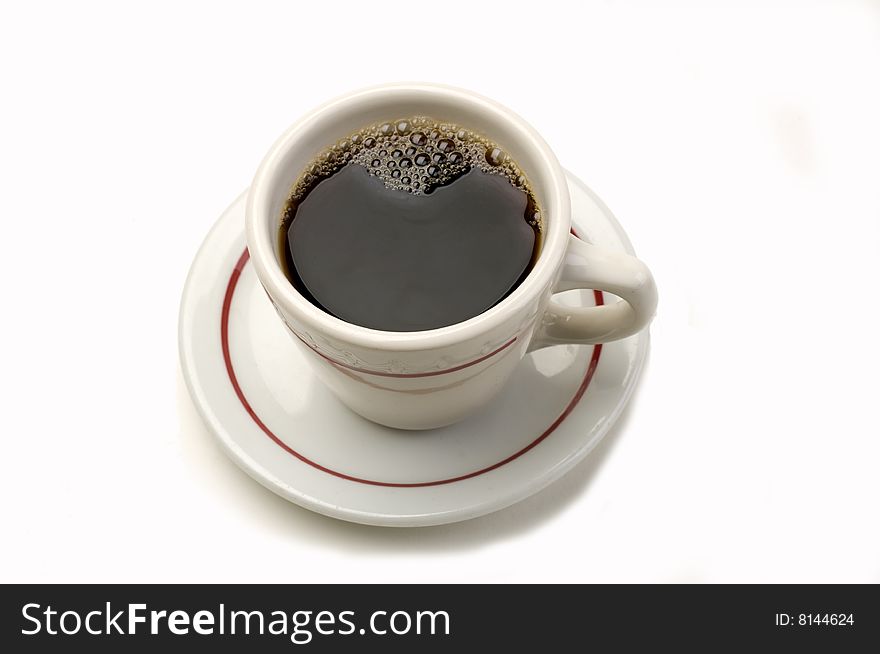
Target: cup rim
(283,293)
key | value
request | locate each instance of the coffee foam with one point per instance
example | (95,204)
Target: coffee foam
(413,155)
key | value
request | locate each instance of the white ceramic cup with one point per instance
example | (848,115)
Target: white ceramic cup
(426,379)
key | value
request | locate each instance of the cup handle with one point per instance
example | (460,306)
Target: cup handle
(592,267)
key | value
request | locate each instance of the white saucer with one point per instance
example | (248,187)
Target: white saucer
(254,388)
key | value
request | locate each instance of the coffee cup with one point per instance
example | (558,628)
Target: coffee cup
(431,378)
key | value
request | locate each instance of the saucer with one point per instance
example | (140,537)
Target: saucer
(259,397)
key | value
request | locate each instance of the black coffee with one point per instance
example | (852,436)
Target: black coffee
(410,225)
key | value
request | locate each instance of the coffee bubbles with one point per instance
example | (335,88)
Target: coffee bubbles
(413,155)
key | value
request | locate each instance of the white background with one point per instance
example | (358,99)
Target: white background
(738,143)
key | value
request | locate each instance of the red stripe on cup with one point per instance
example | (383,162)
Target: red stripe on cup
(403,375)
